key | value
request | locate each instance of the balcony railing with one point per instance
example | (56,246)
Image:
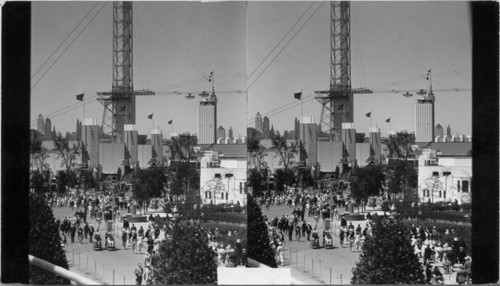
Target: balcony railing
(65,273)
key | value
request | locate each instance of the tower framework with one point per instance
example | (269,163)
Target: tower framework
(119,104)
(337,102)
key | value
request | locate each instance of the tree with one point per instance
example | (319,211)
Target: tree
(64,179)
(44,242)
(360,137)
(186,258)
(255,180)
(401,177)
(388,257)
(283,178)
(401,174)
(185,174)
(67,153)
(257,153)
(365,182)
(305,178)
(286,153)
(259,247)
(149,184)
(39,154)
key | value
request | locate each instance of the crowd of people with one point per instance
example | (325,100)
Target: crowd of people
(317,205)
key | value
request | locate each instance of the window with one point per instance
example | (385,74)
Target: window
(435,174)
(222,196)
(446,173)
(218,176)
(209,195)
(458,186)
(226,196)
(465,186)
(241,187)
(228,175)
(428,192)
(440,193)
(444,194)
(206,195)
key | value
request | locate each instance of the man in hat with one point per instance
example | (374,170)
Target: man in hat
(343,222)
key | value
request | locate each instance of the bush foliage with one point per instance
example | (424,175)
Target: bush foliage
(388,257)
(186,258)
(259,247)
(44,242)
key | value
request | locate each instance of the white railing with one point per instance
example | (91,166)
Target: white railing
(65,273)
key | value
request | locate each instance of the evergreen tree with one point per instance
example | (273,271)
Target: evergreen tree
(388,257)
(186,258)
(259,247)
(44,242)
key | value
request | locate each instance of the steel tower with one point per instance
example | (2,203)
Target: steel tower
(119,104)
(337,102)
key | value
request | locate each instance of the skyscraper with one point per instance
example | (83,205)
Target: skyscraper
(230,132)
(258,122)
(40,125)
(207,120)
(439,131)
(424,123)
(265,127)
(221,132)
(448,130)
(48,128)
(296,129)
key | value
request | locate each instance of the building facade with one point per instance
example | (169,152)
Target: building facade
(40,124)
(444,179)
(265,127)
(48,128)
(439,131)
(221,132)
(223,175)
(207,121)
(258,122)
(424,119)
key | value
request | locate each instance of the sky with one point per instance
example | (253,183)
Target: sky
(393,45)
(176,46)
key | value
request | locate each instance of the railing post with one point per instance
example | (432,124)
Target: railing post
(113,277)
(95,268)
(79,261)
(73,259)
(123,279)
(341,279)
(330,276)
(312,267)
(320,274)
(87,263)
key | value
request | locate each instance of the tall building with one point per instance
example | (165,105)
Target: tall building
(230,132)
(90,141)
(40,125)
(48,128)
(349,140)
(157,144)
(131,144)
(258,122)
(424,124)
(448,130)
(207,120)
(265,127)
(271,133)
(308,139)
(221,132)
(438,131)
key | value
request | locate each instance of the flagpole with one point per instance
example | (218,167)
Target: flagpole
(83,103)
(301,106)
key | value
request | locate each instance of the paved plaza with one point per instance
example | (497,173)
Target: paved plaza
(313,266)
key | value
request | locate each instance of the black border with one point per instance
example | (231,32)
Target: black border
(485,117)
(16,60)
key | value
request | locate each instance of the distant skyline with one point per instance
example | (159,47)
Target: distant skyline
(393,45)
(176,46)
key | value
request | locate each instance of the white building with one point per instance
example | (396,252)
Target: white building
(223,175)
(444,178)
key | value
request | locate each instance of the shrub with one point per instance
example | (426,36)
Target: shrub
(388,257)
(258,239)
(186,258)
(44,242)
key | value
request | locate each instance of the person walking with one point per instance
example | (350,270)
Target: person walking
(80,234)
(138,274)
(468,269)
(91,232)
(86,230)
(427,254)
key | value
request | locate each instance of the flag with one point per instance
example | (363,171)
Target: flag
(368,114)
(341,107)
(297,95)
(428,74)
(211,75)
(123,108)
(388,120)
(150,116)
(170,122)
(79,96)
